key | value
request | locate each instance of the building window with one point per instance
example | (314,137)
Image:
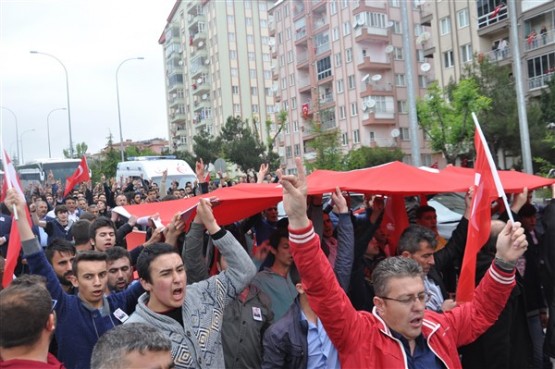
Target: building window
(250,39)
(295,126)
(335,34)
(422,81)
(292,79)
(372,136)
(445,26)
(400,80)
(402,106)
(252,56)
(288,33)
(293,103)
(338,60)
(398,53)
(266,57)
(297,150)
(252,73)
(346,28)
(462,18)
(397,27)
(285,105)
(344,4)
(344,139)
(230,20)
(248,21)
(235,90)
(351,81)
(405,134)
(254,108)
(290,56)
(448,61)
(420,56)
(354,109)
(394,3)
(323,67)
(333,7)
(356,136)
(381,104)
(342,112)
(283,83)
(232,55)
(234,72)
(288,152)
(466,53)
(254,91)
(418,30)
(267,75)
(237,108)
(231,36)
(340,86)
(349,55)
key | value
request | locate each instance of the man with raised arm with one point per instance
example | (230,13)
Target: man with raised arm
(399,333)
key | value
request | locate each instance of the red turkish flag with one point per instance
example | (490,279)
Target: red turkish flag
(479,225)
(81,174)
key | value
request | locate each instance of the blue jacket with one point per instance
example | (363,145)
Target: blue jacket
(285,343)
(78,325)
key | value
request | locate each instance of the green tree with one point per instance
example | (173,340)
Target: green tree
(445,117)
(365,157)
(240,145)
(109,162)
(187,156)
(207,147)
(326,146)
(542,129)
(131,151)
(80,150)
(271,157)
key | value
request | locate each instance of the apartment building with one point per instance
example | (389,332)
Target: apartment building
(462,28)
(217,64)
(341,63)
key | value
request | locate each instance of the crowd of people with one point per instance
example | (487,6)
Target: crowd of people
(319,288)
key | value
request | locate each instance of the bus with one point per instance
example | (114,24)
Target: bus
(36,172)
(151,168)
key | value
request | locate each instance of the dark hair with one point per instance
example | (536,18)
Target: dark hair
(393,267)
(74,198)
(60,245)
(111,349)
(87,216)
(89,255)
(294,274)
(423,209)
(117,252)
(99,223)
(276,236)
(149,254)
(80,231)
(412,236)
(527,210)
(25,307)
(60,209)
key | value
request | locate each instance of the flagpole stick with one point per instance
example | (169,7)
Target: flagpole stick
(495,175)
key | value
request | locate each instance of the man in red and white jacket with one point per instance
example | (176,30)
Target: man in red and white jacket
(399,333)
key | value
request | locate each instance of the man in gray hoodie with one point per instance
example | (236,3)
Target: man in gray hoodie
(191,316)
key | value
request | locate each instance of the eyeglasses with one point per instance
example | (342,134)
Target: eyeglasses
(423,297)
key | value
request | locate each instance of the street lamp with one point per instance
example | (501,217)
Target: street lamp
(119,112)
(67,94)
(16,130)
(21,138)
(48,129)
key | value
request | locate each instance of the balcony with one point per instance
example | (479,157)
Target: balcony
(429,51)
(181,133)
(300,36)
(494,22)
(272,27)
(540,81)
(302,60)
(319,23)
(201,104)
(194,20)
(367,64)
(198,69)
(198,38)
(499,55)
(298,9)
(202,88)
(540,40)
(329,124)
(375,118)
(177,117)
(371,34)
(426,14)
(369,6)
(320,49)
(382,89)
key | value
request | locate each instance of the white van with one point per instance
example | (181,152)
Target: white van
(151,168)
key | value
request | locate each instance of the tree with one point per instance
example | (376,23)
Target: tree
(365,157)
(445,117)
(207,147)
(80,150)
(108,165)
(326,146)
(272,158)
(131,151)
(542,130)
(240,145)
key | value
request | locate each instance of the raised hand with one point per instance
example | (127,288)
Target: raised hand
(511,243)
(339,201)
(262,172)
(204,212)
(294,196)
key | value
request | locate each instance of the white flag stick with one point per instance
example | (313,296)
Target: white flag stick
(496,179)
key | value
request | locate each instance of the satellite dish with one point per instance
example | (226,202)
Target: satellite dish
(220,165)
(425,36)
(371,103)
(199,81)
(419,39)
(207,61)
(201,44)
(365,78)
(395,133)
(376,77)
(205,96)
(425,67)
(390,24)
(364,106)
(180,62)
(360,21)
(389,49)
(272,42)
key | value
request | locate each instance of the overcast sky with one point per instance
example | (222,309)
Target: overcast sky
(91,38)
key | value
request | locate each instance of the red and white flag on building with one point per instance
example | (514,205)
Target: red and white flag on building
(14,244)
(81,174)
(488,188)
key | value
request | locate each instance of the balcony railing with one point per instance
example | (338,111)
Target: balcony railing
(320,22)
(329,124)
(499,55)
(495,16)
(539,40)
(326,98)
(322,48)
(540,81)
(300,33)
